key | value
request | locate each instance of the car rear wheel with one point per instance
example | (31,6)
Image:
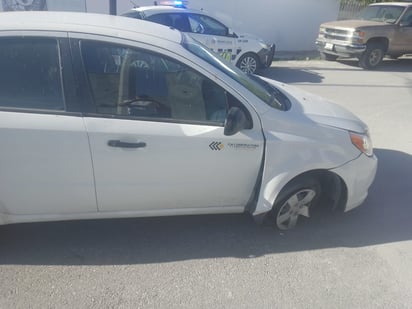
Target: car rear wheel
(248,63)
(372,57)
(295,200)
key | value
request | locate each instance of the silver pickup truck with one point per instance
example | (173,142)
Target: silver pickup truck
(383,29)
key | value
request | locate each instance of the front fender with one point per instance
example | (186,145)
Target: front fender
(288,156)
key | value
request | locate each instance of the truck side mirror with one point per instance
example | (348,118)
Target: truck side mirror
(236,121)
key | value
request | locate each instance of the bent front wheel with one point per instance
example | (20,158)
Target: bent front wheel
(295,200)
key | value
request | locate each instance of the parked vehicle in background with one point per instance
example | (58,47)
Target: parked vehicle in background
(106,117)
(383,29)
(248,52)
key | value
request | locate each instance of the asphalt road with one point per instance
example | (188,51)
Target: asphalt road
(362,259)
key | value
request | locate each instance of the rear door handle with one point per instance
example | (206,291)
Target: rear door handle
(120,144)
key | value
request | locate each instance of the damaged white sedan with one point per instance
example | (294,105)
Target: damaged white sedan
(108,117)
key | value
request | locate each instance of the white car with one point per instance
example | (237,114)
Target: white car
(246,51)
(106,117)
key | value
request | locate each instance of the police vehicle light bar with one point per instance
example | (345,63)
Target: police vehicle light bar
(175,3)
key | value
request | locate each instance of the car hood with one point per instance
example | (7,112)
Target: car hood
(352,24)
(320,110)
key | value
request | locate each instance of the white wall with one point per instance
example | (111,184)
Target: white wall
(292,24)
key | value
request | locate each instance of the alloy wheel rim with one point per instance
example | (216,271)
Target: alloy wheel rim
(248,65)
(297,205)
(375,57)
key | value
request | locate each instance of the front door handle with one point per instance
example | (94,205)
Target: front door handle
(120,144)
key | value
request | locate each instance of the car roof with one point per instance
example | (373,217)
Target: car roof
(99,24)
(156,9)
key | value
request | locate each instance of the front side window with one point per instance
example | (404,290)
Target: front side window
(407,18)
(30,75)
(136,83)
(206,25)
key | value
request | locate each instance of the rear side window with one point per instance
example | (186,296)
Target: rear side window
(132,14)
(177,21)
(30,75)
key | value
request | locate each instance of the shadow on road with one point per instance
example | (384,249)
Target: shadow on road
(384,218)
(307,72)
(292,75)
(388,65)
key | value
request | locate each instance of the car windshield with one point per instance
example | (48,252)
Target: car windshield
(263,90)
(383,13)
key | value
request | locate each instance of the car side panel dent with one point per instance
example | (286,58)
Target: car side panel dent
(288,156)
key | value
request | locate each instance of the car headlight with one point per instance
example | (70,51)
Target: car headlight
(358,36)
(263,45)
(363,142)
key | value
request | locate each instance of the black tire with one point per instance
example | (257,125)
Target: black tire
(295,199)
(249,63)
(328,57)
(372,57)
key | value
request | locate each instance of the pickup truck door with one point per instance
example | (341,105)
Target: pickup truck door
(166,150)
(402,40)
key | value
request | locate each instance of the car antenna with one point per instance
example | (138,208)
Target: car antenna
(155,2)
(134,4)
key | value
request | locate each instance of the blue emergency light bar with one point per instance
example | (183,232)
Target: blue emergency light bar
(175,3)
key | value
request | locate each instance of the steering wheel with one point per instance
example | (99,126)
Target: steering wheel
(146,106)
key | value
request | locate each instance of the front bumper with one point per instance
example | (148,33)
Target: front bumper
(358,176)
(266,56)
(339,48)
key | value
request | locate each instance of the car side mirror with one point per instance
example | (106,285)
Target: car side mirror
(236,121)
(231,34)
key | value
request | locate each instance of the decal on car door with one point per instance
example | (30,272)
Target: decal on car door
(228,54)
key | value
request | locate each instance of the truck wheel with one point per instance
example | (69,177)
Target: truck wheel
(295,200)
(372,57)
(248,63)
(328,57)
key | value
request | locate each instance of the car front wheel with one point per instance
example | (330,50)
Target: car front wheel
(248,63)
(295,200)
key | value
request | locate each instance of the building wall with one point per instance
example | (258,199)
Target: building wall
(291,24)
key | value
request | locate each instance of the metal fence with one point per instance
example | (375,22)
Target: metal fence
(350,9)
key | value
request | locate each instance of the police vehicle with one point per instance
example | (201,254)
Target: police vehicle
(248,52)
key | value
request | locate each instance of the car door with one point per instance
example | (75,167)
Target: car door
(214,35)
(45,160)
(156,136)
